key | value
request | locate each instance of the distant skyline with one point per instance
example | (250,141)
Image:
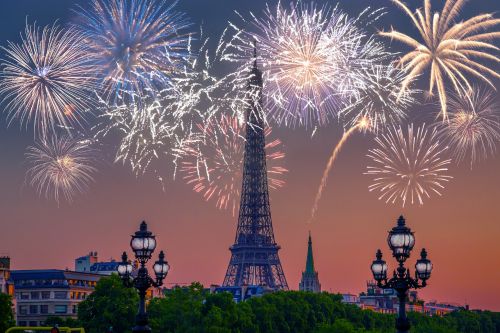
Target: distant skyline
(460,229)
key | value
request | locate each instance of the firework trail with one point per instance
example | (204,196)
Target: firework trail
(310,58)
(47,78)
(214,166)
(137,44)
(408,166)
(375,105)
(362,125)
(449,49)
(473,128)
(60,166)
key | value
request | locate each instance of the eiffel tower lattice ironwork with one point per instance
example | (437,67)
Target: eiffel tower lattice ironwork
(254,255)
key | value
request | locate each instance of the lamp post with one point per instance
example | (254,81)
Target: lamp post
(401,241)
(143,243)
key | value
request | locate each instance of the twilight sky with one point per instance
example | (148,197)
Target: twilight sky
(460,229)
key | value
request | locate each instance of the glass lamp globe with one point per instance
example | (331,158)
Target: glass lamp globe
(401,240)
(379,267)
(143,242)
(124,268)
(161,267)
(423,266)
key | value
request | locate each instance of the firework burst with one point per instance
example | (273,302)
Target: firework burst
(379,101)
(214,166)
(137,44)
(408,167)
(310,59)
(473,129)
(60,167)
(47,78)
(451,50)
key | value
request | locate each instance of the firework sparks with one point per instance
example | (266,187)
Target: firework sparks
(156,129)
(47,78)
(310,59)
(137,44)
(60,167)
(379,101)
(473,128)
(214,166)
(408,167)
(450,50)
(151,134)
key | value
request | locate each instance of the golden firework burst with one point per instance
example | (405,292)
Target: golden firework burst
(451,50)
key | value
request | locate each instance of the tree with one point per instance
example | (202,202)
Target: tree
(6,315)
(62,322)
(110,305)
(178,311)
(339,326)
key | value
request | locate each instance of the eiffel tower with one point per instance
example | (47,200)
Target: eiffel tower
(254,255)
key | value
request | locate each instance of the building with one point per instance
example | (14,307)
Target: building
(242,293)
(433,308)
(104,267)
(386,300)
(83,264)
(310,279)
(90,263)
(49,292)
(350,299)
(6,285)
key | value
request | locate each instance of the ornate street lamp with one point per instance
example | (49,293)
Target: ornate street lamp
(143,243)
(401,241)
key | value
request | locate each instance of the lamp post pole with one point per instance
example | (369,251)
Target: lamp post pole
(401,241)
(143,243)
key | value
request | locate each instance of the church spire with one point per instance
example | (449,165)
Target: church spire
(310,258)
(310,279)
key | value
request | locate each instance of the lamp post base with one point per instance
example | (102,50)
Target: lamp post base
(402,326)
(141,329)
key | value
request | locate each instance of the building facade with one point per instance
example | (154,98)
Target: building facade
(386,301)
(83,264)
(310,279)
(6,285)
(51,292)
(91,264)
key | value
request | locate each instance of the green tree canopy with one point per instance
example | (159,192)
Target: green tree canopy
(110,305)
(194,310)
(6,315)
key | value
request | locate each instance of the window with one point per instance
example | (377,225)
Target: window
(33,323)
(25,296)
(22,323)
(35,295)
(45,294)
(60,294)
(23,309)
(60,309)
(44,309)
(33,309)
(74,309)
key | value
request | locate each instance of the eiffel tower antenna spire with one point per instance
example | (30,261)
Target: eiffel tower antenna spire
(255,53)
(254,254)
